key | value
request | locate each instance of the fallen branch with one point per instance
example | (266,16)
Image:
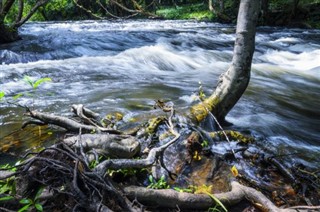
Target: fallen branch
(67,123)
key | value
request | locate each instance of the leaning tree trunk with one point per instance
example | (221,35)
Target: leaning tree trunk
(8,34)
(234,81)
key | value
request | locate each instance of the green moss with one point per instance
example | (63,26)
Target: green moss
(232,135)
(193,11)
(201,110)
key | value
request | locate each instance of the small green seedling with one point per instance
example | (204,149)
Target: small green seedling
(32,203)
(35,83)
(160,184)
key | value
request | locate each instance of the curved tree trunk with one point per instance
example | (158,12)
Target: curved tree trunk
(234,81)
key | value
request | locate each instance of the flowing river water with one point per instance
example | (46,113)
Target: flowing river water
(125,65)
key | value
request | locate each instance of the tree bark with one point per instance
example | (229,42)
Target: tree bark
(234,81)
(169,198)
(8,34)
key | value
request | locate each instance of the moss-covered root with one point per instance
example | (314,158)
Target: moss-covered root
(232,135)
(201,110)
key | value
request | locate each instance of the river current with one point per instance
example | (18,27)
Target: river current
(125,65)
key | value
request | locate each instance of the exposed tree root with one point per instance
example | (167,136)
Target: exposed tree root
(71,181)
(66,173)
(153,155)
(168,198)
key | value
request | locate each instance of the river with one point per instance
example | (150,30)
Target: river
(125,65)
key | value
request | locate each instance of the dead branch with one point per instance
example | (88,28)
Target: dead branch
(86,10)
(67,123)
(80,109)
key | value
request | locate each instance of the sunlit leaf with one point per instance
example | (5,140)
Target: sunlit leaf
(24,208)
(234,171)
(6,198)
(17,96)
(40,81)
(38,207)
(1,94)
(25,201)
(150,179)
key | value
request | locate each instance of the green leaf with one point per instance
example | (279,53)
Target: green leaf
(24,208)
(4,188)
(28,80)
(39,193)
(40,81)
(217,201)
(150,179)
(6,198)
(17,96)
(38,207)
(25,201)
(2,94)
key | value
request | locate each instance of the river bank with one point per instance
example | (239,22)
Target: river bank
(305,16)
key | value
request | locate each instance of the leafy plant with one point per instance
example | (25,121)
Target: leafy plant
(160,184)
(32,203)
(93,164)
(8,185)
(205,144)
(35,83)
